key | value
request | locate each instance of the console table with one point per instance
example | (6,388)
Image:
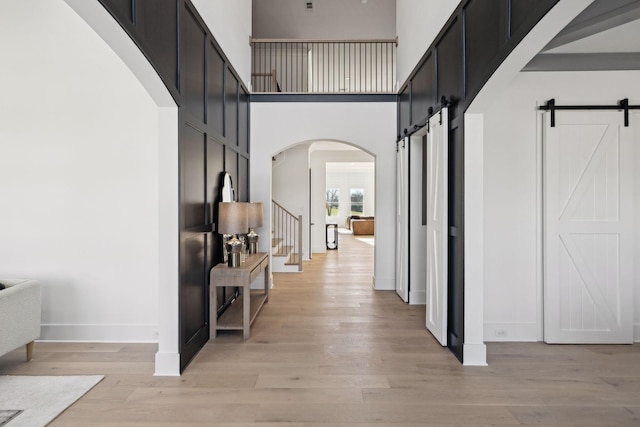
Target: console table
(243,311)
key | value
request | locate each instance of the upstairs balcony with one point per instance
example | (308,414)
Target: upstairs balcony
(323,66)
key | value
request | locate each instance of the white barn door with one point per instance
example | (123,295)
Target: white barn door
(437,197)
(402,227)
(588,231)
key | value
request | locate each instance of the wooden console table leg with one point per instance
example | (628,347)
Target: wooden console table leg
(266,283)
(213,312)
(246,310)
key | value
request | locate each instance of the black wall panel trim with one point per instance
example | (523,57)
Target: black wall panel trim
(323,97)
(478,36)
(404,110)
(424,100)
(214,110)
(486,32)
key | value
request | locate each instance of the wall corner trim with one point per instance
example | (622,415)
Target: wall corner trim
(475,355)
(167,365)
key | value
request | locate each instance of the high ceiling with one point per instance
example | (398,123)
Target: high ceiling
(605,36)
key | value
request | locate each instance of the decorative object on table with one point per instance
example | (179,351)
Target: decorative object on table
(255,220)
(232,219)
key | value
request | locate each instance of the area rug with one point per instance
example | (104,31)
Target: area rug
(34,401)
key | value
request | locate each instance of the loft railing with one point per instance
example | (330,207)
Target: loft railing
(322,66)
(287,234)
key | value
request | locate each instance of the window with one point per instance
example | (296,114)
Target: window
(332,201)
(357,199)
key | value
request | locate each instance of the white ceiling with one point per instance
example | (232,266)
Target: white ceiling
(624,38)
(605,36)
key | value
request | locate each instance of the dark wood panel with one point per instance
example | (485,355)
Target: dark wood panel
(404,110)
(215,169)
(178,45)
(486,26)
(231,108)
(526,13)
(157,23)
(425,183)
(455,324)
(215,90)
(423,91)
(122,10)
(243,121)
(192,65)
(449,64)
(243,178)
(194,331)
(192,178)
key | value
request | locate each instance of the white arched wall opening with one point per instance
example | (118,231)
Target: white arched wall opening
(478,250)
(302,192)
(370,126)
(167,361)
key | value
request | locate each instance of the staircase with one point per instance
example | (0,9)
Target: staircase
(286,240)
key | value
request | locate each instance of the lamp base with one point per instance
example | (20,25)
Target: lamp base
(234,250)
(253,237)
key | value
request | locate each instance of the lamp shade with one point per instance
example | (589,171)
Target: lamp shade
(255,215)
(232,217)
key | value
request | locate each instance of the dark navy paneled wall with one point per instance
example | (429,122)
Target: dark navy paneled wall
(478,36)
(213,138)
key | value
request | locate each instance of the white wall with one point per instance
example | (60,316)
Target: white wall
(321,180)
(79,172)
(291,187)
(330,19)
(346,175)
(230,23)
(418,22)
(370,126)
(512,293)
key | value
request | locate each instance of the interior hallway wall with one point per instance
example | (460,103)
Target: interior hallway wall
(348,176)
(230,24)
(290,184)
(370,126)
(330,19)
(79,174)
(418,22)
(512,282)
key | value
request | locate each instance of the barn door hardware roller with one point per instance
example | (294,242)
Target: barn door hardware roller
(622,105)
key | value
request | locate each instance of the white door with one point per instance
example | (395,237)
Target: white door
(437,197)
(402,283)
(587,229)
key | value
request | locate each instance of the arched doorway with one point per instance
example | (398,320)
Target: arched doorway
(302,176)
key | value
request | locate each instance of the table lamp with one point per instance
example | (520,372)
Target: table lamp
(255,220)
(232,219)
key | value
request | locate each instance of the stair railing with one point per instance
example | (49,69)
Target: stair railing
(287,229)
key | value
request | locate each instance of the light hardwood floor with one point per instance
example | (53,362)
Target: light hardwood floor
(328,350)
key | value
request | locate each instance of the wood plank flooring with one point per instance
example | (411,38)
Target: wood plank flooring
(328,350)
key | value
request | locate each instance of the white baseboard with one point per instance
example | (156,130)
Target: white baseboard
(384,283)
(474,354)
(418,297)
(510,332)
(137,333)
(167,365)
